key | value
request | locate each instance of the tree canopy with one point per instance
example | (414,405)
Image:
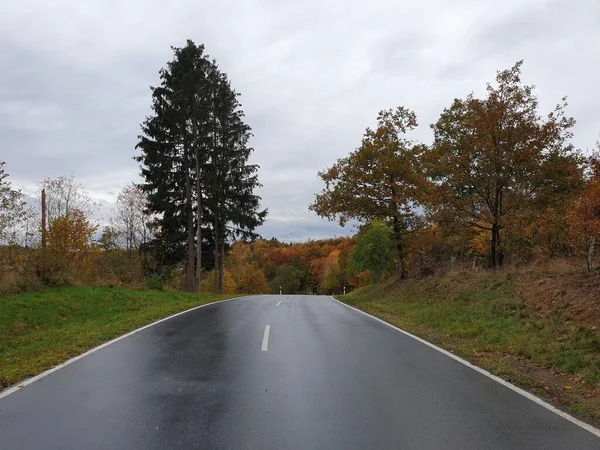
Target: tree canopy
(379,180)
(491,157)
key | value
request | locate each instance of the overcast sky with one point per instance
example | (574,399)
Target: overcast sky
(75,77)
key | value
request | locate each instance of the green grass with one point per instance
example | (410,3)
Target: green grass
(484,319)
(40,330)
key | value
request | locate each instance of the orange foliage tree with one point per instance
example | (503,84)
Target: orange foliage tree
(253,280)
(584,216)
(332,277)
(380,180)
(493,157)
(70,246)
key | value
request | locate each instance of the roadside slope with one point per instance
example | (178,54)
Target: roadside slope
(40,330)
(522,328)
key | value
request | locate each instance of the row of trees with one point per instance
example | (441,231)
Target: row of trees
(323,266)
(71,244)
(500,183)
(59,240)
(499,179)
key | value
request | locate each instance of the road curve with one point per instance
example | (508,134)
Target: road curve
(322,376)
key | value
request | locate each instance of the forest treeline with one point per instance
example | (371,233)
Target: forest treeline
(126,250)
(500,184)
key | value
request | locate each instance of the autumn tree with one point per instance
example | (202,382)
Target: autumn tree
(261,266)
(70,246)
(238,257)
(260,256)
(584,215)
(246,273)
(252,280)
(332,278)
(491,157)
(380,180)
(374,250)
(229,284)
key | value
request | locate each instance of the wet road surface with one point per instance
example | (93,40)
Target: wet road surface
(320,376)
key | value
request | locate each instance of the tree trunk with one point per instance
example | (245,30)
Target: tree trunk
(493,246)
(190,277)
(399,248)
(130,240)
(222,265)
(217,259)
(198,194)
(590,255)
(199,218)
(496,254)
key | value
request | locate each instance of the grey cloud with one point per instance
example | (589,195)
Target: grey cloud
(313,74)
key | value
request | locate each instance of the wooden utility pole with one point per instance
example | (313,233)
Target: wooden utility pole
(44,219)
(44,233)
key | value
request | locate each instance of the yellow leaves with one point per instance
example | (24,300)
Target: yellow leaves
(244,269)
(229,284)
(70,247)
(71,233)
(207,283)
(253,280)
(331,277)
(480,244)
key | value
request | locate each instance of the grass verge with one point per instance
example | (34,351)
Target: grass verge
(488,320)
(41,330)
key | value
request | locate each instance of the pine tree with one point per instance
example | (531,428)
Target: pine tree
(195,163)
(170,148)
(230,179)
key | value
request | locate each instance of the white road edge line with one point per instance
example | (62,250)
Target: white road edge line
(21,385)
(484,372)
(265,341)
(280,301)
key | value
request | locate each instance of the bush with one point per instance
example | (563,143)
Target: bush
(154,282)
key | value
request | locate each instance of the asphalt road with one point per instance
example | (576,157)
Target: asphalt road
(330,378)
